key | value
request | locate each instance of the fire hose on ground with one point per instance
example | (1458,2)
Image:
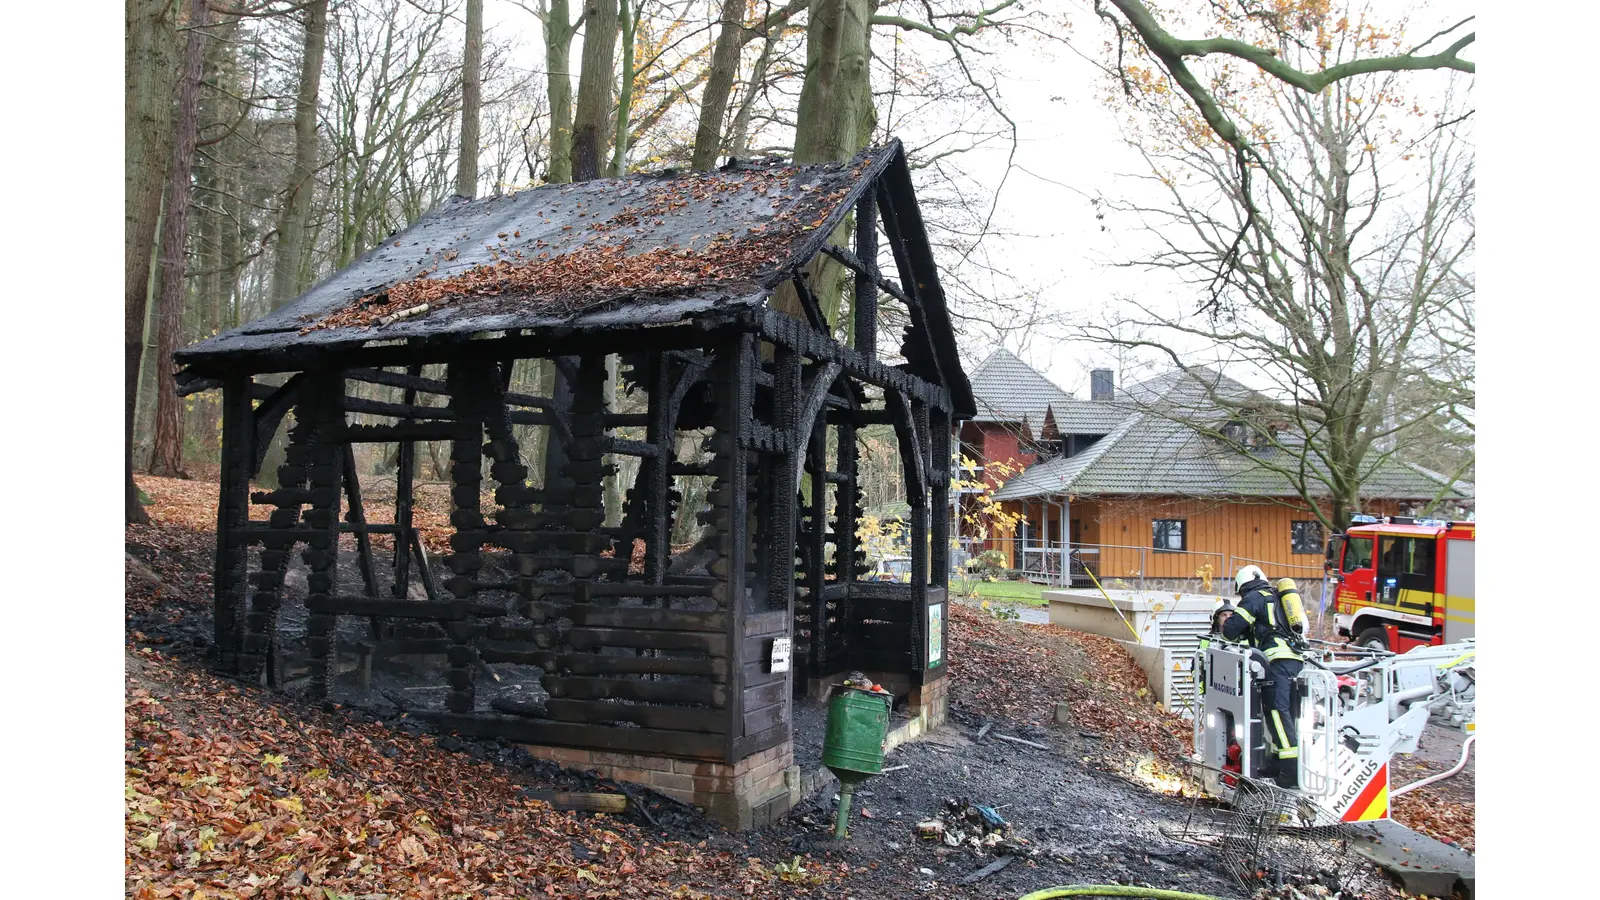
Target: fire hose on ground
(1466,749)
(1113,890)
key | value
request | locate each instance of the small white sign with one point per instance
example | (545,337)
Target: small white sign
(780,655)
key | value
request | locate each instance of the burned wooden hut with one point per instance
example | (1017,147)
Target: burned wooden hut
(701,290)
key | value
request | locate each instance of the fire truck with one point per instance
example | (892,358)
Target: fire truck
(1403,582)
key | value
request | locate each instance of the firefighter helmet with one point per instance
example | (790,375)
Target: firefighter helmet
(1247,575)
(1216,616)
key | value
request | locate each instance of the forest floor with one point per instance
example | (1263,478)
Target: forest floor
(235,791)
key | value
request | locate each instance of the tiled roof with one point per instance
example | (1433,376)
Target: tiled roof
(1009,390)
(1155,452)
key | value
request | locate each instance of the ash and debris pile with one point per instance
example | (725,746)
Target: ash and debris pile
(963,823)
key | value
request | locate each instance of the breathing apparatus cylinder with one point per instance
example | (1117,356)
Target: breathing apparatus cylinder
(1293,610)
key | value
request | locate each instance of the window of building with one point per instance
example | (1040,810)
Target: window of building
(1169,534)
(1305,536)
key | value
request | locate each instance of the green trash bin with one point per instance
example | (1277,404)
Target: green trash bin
(858,720)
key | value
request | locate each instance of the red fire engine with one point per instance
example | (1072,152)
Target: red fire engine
(1404,582)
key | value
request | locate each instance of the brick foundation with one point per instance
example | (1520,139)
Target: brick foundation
(752,793)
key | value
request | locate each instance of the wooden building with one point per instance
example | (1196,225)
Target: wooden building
(1136,485)
(700,284)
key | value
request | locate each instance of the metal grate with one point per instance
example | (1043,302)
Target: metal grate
(1270,837)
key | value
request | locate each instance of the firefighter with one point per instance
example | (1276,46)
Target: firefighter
(1218,616)
(1261,621)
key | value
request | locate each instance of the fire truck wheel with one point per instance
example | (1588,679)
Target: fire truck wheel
(1374,638)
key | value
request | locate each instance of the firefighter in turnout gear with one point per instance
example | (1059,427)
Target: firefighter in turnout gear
(1218,616)
(1263,621)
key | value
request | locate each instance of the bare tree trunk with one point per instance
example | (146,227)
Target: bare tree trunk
(719,82)
(835,116)
(834,120)
(296,212)
(558,33)
(471,101)
(594,89)
(619,147)
(297,198)
(150,69)
(167,457)
(739,135)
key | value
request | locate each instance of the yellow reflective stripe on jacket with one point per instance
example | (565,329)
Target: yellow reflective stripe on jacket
(1244,614)
(1281,650)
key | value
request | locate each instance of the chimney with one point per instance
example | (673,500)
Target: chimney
(1102,385)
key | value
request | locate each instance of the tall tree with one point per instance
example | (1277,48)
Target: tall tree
(836,116)
(558,31)
(167,456)
(471,101)
(296,211)
(629,12)
(719,83)
(150,68)
(595,77)
(1327,283)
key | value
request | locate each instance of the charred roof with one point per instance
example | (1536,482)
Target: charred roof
(643,250)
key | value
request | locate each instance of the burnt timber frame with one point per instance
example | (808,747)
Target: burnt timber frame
(655,659)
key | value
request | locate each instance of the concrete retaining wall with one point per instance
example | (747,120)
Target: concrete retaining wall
(1157,665)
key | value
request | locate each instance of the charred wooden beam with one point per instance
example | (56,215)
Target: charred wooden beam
(580,688)
(864,307)
(356,516)
(405,475)
(396,410)
(809,302)
(713,668)
(321,406)
(269,415)
(451,430)
(643,449)
(442,611)
(656,741)
(228,578)
(472,384)
(787,331)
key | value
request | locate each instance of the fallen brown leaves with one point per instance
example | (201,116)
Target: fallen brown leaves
(1425,811)
(1019,672)
(228,796)
(564,279)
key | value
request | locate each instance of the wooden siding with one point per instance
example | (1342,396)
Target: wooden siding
(1217,532)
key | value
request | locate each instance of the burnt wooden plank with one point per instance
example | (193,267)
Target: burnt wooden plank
(397,609)
(544,659)
(673,718)
(767,693)
(752,743)
(715,669)
(642,618)
(885,590)
(886,609)
(584,589)
(411,646)
(403,431)
(642,449)
(653,741)
(765,718)
(397,410)
(775,622)
(580,688)
(582,638)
